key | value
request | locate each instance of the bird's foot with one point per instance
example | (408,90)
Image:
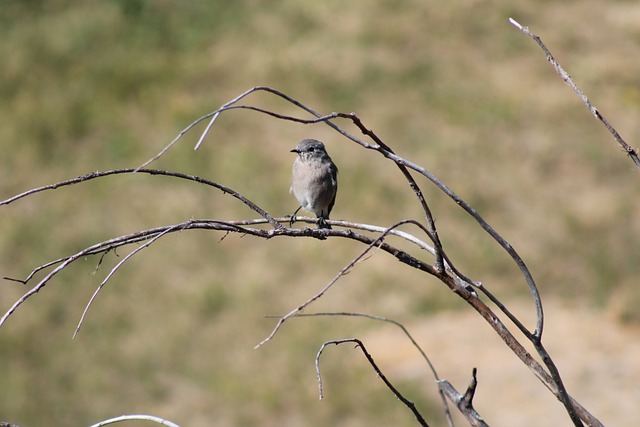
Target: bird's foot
(322,223)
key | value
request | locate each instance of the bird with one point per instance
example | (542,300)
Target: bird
(314,180)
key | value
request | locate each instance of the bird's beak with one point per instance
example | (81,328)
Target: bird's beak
(295,150)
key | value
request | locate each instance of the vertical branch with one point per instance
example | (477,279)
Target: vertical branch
(464,402)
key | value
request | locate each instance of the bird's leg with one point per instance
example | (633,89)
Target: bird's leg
(293,217)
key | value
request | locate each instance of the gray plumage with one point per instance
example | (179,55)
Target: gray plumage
(314,180)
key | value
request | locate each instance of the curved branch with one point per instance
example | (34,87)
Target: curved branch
(409,404)
(433,234)
(112,272)
(153,172)
(404,330)
(403,164)
(121,418)
(402,256)
(442,265)
(377,242)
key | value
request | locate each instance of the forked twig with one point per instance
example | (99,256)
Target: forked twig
(464,402)
(175,140)
(112,272)
(111,244)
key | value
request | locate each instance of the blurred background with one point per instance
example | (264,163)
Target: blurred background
(97,85)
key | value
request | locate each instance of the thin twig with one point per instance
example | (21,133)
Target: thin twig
(409,404)
(631,152)
(229,226)
(345,270)
(152,172)
(175,140)
(121,241)
(404,330)
(112,272)
(216,113)
(403,257)
(100,248)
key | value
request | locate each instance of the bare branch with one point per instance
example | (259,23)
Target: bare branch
(112,272)
(153,172)
(403,164)
(409,404)
(239,227)
(121,418)
(107,246)
(631,152)
(443,269)
(464,402)
(229,226)
(440,255)
(380,146)
(375,243)
(445,406)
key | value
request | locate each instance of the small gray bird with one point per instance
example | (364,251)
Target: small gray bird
(314,180)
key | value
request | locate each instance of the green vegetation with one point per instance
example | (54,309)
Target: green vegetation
(102,85)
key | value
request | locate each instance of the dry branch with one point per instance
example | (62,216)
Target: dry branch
(122,418)
(464,402)
(409,404)
(631,152)
(404,330)
(375,243)
(442,268)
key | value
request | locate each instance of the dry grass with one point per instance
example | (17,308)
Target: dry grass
(451,86)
